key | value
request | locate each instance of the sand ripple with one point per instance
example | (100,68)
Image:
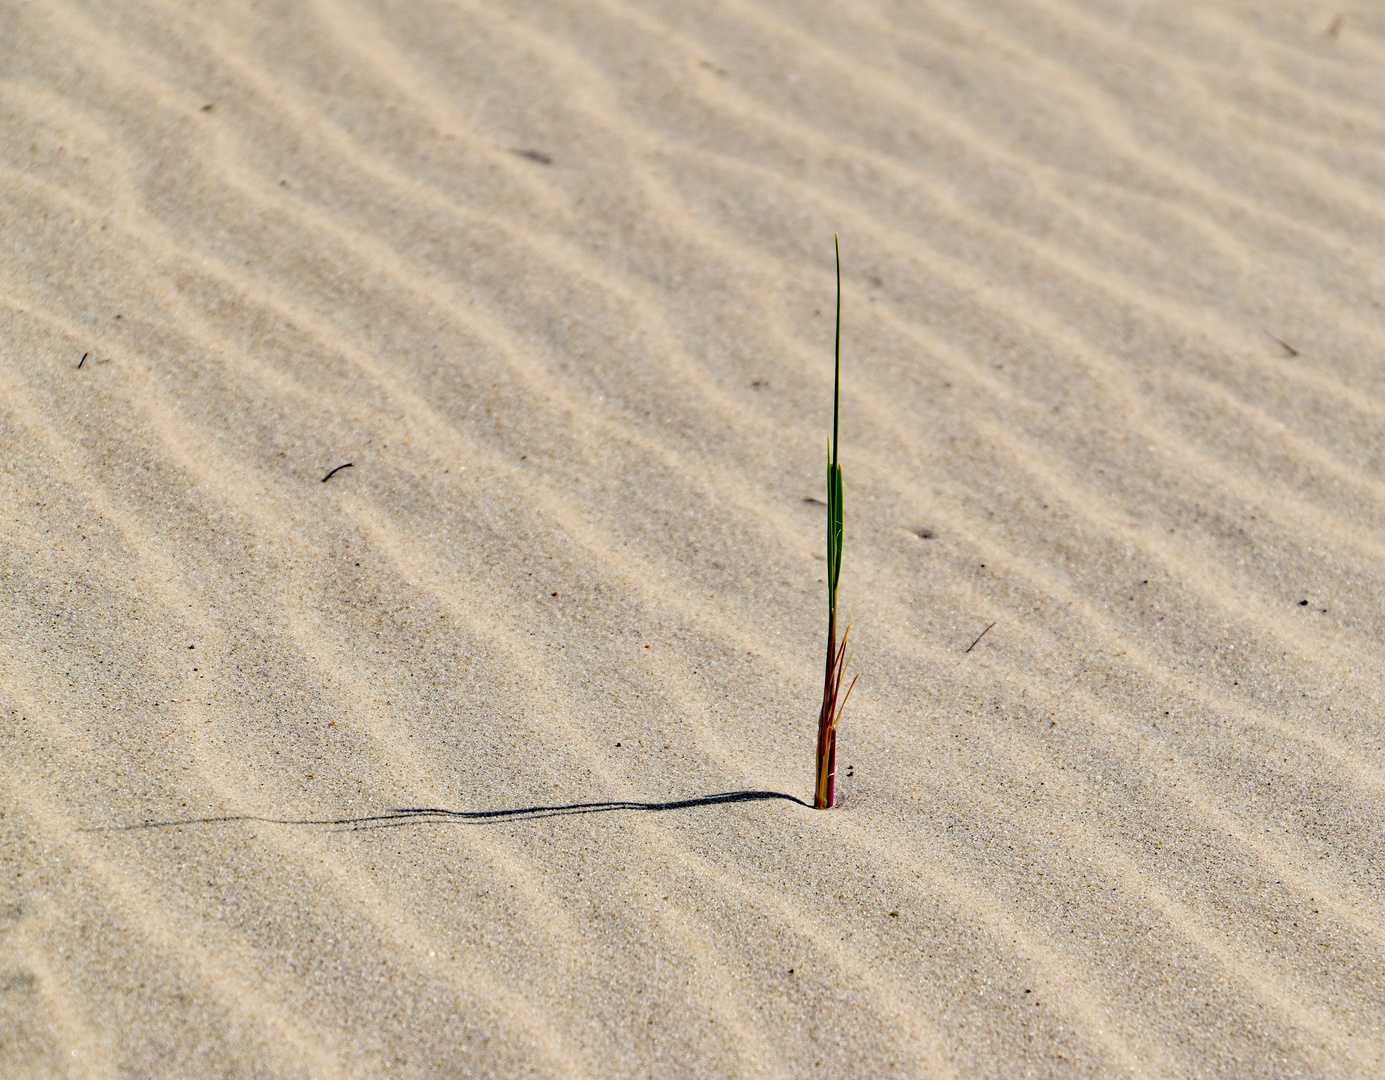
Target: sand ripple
(486,753)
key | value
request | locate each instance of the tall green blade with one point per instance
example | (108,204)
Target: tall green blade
(834,471)
(837,353)
(834,530)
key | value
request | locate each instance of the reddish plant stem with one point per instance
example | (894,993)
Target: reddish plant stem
(827,735)
(832,768)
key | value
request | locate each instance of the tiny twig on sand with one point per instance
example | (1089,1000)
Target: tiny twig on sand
(978,639)
(335,471)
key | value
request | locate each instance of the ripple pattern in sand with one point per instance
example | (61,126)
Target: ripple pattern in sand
(555,279)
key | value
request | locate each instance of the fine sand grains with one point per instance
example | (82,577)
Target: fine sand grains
(492,755)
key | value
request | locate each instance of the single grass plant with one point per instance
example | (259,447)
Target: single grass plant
(833,700)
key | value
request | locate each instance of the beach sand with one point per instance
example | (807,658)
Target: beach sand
(491,755)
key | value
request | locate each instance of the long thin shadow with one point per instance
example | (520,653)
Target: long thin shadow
(433,815)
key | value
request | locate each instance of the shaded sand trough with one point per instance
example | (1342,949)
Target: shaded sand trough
(288,768)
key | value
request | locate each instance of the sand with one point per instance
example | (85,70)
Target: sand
(490,755)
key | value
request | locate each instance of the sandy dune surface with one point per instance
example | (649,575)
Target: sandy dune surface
(489,755)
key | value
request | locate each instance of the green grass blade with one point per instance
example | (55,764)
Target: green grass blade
(834,471)
(834,529)
(835,669)
(837,352)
